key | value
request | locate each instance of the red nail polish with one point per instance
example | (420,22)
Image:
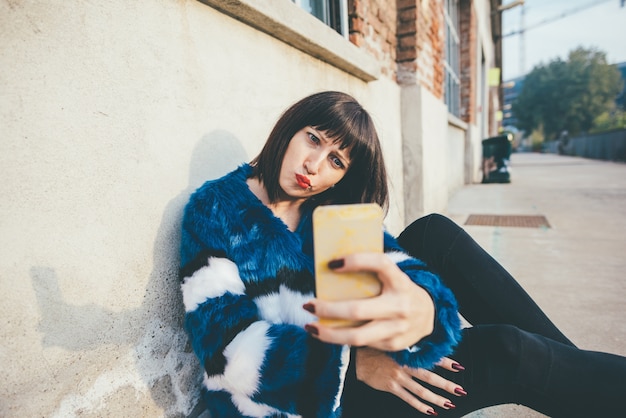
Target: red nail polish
(460,391)
(335,264)
(309,307)
(311,329)
(432,412)
(449,405)
(457,366)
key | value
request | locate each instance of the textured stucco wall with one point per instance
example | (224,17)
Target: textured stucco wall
(426,154)
(455,158)
(111,114)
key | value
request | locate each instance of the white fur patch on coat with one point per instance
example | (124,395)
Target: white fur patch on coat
(397,256)
(285,307)
(244,358)
(257,410)
(214,280)
(345,361)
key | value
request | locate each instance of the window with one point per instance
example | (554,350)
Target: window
(333,13)
(452,88)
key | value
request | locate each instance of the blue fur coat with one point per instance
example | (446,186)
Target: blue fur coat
(245,277)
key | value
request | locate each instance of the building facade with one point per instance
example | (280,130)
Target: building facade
(114,112)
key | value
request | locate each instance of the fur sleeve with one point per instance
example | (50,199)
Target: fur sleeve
(447,328)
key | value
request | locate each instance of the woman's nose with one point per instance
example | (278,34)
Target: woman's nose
(312,164)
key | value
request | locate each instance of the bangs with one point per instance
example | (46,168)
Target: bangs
(351,131)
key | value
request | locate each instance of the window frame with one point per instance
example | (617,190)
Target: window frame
(452,58)
(333,13)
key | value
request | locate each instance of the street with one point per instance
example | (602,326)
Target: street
(575,268)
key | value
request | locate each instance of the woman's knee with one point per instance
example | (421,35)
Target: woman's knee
(430,220)
(429,237)
(428,227)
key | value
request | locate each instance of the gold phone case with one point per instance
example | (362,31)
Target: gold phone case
(339,230)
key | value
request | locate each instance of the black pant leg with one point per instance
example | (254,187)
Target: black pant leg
(504,364)
(485,291)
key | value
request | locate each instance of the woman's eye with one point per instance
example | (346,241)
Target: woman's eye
(337,162)
(313,138)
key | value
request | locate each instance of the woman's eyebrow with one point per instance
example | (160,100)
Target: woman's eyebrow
(341,153)
(319,134)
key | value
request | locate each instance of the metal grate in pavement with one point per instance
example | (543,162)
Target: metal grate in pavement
(521,221)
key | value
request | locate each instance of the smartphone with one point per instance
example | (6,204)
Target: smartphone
(340,230)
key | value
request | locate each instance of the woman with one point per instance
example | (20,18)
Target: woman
(248,290)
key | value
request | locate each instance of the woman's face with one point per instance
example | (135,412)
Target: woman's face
(312,164)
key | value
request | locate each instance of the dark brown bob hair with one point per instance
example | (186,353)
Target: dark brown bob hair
(344,121)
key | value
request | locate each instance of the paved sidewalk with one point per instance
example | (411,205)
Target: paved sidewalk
(576,268)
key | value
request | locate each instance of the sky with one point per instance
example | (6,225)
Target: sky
(601,24)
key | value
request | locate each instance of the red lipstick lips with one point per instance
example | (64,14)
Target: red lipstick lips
(303,181)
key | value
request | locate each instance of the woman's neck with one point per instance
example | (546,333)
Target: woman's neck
(288,210)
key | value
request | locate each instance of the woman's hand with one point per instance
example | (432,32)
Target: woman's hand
(399,317)
(381,372)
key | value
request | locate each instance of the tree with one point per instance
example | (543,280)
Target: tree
(567,95)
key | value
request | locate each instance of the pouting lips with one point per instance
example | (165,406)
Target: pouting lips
(303,181)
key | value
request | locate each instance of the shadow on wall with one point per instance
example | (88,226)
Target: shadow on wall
(159,358)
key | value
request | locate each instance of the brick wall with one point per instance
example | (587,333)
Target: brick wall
(421,44)
(469,60)
(408,38)
(373,27)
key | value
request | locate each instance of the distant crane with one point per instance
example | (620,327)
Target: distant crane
(524,28)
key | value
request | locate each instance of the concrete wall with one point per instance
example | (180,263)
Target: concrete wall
(473,155)
(441,153)
(112,113)
(455,158)
(424,129)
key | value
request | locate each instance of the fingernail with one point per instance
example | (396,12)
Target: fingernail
(460,391)
(335,264)
(457,366)
(449,405)
(311,329)
(432,412)
(309,307)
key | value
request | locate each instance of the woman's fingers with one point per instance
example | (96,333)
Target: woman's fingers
(378,307)
(412,400)
(379,371)
(451,365)
(388,272)
(395,322)
(376,334)
(435,380)
(423,393)
(396,319)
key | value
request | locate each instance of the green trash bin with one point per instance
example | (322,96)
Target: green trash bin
(496,158)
